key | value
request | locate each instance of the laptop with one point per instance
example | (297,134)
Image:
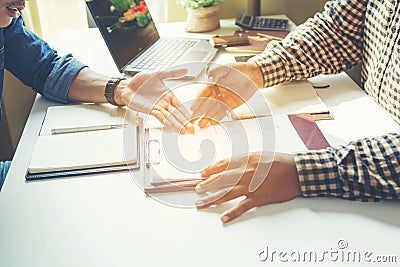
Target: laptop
(135,44)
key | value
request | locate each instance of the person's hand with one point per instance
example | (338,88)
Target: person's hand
(147,93)
(263,178)
(230,86)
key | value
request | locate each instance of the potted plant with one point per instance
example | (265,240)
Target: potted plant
(202,14)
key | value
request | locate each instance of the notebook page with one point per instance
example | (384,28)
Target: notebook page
(82,150)
(291,98)
(83,115)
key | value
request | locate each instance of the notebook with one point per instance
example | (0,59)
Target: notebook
(76,139)
(258,40)
(135,44)
(296,97)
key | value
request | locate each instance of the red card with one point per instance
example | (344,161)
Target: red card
(308,131)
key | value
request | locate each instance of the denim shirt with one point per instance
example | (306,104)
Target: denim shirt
(35,63)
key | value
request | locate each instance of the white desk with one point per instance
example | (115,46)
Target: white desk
(106,220)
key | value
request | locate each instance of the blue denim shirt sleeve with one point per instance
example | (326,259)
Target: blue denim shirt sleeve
(36,64)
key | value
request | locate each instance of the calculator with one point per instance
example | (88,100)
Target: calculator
(248,22)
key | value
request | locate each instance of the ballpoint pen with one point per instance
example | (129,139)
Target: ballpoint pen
(86,128)
(184,182)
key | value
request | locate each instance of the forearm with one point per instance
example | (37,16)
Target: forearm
(252,71)
(89,86)
(364,170)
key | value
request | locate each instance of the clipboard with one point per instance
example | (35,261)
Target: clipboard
(155,164)
(300,132)
(180,170)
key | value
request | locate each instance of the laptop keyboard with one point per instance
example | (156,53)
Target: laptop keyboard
(163,54)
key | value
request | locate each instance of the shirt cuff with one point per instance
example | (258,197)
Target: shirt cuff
(318,174)
(272,67)
(364,170)
(60,79)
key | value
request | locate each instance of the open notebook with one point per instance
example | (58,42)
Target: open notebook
(298,97)
(94,138)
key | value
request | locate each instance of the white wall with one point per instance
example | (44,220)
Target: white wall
(56,16)
(297,10)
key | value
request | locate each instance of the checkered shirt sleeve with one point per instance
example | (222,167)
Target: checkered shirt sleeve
(364,170)
(332,42)
(329,43)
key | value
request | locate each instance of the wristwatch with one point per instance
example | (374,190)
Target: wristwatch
(110,88)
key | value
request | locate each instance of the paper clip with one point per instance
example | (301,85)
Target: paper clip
(152,148)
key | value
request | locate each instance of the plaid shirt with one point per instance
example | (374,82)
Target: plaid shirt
(345,33)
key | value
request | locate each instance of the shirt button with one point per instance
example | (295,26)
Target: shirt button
(379,69)
(393,29)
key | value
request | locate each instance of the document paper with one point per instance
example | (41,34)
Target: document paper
(183,157)
(292,98)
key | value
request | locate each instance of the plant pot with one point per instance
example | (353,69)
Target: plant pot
(203,19)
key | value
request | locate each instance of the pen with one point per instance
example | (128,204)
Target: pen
(187,183)
(86,128)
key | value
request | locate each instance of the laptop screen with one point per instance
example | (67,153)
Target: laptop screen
(126,27)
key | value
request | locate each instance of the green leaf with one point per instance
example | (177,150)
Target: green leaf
(122,5)
(207,3)
(193,4)
(143,20)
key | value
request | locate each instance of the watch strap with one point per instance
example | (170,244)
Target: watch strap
(110,89)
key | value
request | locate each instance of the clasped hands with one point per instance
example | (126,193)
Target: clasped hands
(229,87)
(262,177)
(147,93)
